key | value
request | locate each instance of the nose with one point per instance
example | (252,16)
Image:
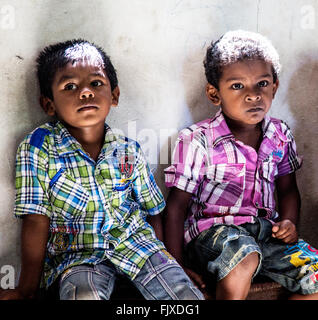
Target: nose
(253,97)
(86,93)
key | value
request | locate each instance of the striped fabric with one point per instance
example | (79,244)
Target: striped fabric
(230,182)
(97,210)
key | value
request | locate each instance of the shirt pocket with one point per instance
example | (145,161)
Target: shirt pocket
(68,198)
(227,182)
(122,203)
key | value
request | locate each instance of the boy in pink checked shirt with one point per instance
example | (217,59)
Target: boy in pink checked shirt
(221,216)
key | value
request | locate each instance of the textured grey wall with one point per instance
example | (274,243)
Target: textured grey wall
(157,48)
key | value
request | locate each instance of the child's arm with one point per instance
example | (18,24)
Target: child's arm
(175,214)
(289,207)
(34,237)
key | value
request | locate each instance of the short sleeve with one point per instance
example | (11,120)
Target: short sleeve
(291,161)
(31,182)
(146,191)
(188,165)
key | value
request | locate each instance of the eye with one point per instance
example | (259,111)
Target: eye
(70,86)
(263,83)
(96,83)
(237,86)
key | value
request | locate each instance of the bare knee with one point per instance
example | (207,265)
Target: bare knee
(249,264)
(236,284)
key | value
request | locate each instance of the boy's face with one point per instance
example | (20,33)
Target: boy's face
(82,95)
(246,91)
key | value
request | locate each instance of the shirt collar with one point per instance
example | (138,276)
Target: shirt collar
(222,132)
(220,129)
(271,132)
(66,143)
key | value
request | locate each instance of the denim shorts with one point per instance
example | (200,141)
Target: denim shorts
(161,278)
(220,248)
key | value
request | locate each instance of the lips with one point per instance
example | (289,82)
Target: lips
(87,108)
(255,109)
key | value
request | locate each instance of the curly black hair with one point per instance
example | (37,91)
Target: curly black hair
(236,46)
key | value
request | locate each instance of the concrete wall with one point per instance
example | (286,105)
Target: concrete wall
(157,48)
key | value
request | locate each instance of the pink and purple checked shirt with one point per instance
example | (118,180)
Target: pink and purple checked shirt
(230,182)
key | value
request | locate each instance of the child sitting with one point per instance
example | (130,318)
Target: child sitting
(223,176)
(85,193)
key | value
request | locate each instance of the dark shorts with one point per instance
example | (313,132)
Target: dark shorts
(219,249)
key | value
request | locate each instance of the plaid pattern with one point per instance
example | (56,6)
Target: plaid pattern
(230,182)
(97,210)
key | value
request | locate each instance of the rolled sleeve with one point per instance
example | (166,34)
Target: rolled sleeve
(31,180)
(291,160)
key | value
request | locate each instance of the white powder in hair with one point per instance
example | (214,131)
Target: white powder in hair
(240,44)
(86,53)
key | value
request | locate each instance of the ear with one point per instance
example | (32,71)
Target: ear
(213,94)
(47,105)
(115,96)
(275,87)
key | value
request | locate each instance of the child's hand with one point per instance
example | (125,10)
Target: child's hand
(285,230)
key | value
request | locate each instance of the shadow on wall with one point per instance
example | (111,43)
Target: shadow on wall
(36,115)
(303,101)
(28,116)
(198,105)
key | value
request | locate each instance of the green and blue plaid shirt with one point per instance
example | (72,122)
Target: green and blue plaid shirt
(97,210)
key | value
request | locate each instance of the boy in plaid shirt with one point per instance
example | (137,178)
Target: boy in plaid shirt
(223,175)
(89,203)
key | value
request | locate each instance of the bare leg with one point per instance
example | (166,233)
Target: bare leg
(236,284)
(313,296)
